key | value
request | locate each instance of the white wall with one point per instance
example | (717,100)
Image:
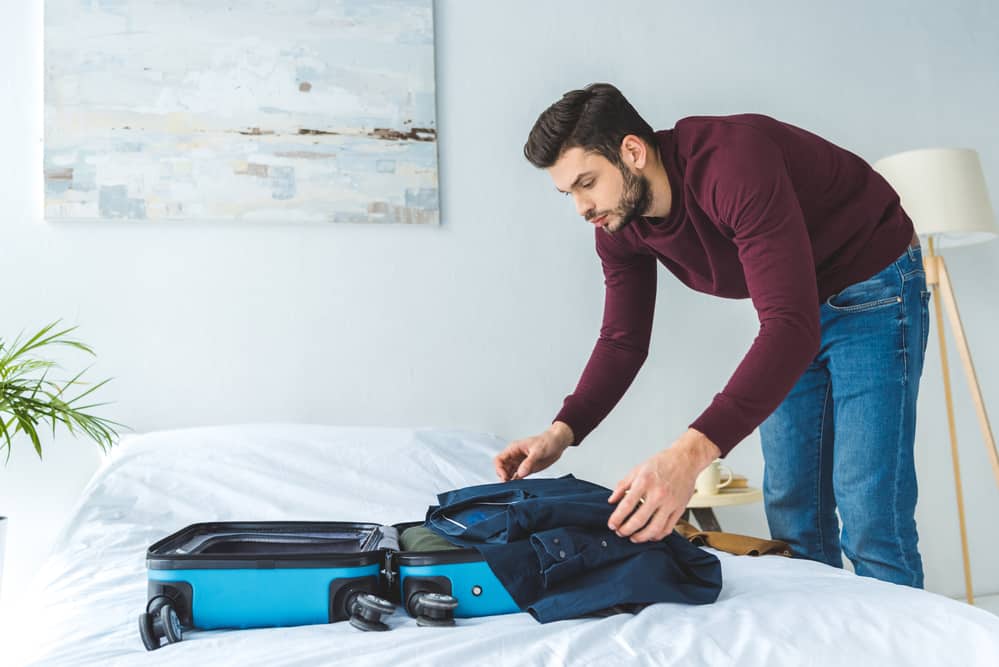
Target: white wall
(486,321)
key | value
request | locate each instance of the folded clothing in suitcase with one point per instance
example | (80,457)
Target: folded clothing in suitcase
(548,543)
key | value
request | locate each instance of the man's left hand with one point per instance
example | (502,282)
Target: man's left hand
(654,494)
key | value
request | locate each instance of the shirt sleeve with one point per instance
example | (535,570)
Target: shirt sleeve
(623,344)
(755,202)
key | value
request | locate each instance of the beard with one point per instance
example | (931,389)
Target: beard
(636,198)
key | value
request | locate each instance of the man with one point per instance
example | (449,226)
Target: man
(747,206)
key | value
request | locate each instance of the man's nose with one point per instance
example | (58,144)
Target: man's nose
(582,206)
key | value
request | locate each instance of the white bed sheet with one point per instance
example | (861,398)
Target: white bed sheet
(772,610)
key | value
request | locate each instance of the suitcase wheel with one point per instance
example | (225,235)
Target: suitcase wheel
(161,621)
(366,611)
(149,638)
(171,624)
(434,609)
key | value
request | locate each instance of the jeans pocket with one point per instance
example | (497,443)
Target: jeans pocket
(924,304)
(879,291)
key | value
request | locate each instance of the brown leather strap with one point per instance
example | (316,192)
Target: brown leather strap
(740,545)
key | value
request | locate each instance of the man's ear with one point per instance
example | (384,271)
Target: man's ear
(634,152)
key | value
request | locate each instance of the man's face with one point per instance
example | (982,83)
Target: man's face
(607,195)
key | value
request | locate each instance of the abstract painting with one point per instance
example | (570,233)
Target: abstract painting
(269,110)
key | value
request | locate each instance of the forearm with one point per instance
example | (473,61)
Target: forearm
(607,376)
(768,372)
(623,343)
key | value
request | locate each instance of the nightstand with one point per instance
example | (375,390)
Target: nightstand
(701,504)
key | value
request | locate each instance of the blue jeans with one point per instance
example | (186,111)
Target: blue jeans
(843,438)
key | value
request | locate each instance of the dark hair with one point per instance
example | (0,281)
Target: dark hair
(596,118)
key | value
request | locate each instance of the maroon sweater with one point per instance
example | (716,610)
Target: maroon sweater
(761,209)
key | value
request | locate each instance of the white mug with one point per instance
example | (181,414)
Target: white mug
(709,482)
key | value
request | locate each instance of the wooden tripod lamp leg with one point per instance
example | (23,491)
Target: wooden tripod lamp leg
(950,302)
(934,264)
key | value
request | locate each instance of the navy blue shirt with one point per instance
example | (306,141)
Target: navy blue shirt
(548,543)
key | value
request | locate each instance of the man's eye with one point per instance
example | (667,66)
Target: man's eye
(588,185)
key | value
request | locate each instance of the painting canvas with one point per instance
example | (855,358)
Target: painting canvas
(318,110)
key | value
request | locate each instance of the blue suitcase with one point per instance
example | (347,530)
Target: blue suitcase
(278,573)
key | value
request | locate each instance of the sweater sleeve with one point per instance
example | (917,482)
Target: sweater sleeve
(623,344)
(756,204)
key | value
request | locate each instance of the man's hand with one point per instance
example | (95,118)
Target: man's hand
(654,494)
(522,457)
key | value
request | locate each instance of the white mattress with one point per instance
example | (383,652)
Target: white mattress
(772,610)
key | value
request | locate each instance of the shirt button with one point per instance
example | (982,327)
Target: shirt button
(603,543)
(561,554)
(555,540)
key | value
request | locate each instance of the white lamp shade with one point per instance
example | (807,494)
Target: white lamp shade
(943,191)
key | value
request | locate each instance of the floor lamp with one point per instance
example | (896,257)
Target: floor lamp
(943,191)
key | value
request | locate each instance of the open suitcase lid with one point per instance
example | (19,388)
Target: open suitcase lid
(271,544)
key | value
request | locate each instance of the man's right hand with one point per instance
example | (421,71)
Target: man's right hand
(530,455)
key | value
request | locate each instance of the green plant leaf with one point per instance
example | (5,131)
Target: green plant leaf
(28,400)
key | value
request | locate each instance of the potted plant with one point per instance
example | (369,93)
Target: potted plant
(29,399)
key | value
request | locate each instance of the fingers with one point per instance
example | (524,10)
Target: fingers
(621,488)
(523,457)
(638,520)
(506,462)
(499,464)
(510,462)
(527,466)
(674,518)
(500,469)
(627,505)
(658,527)
(648,530)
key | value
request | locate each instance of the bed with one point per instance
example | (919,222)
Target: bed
(772,610)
